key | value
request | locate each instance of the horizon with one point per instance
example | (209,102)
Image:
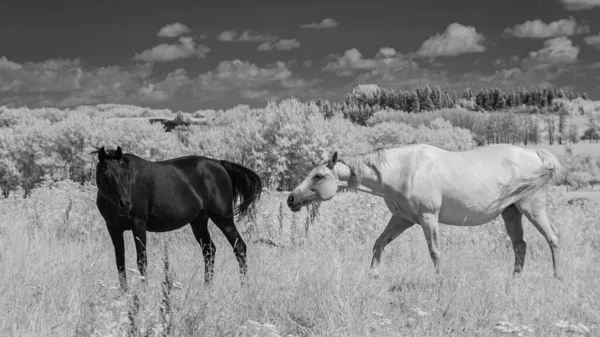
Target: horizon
(222,54)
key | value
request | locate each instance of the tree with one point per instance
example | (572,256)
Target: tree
(468,94)
(550,127)
(436,98)
(563,112)
(500,102)
(424,95)
(413,104)
(512,100)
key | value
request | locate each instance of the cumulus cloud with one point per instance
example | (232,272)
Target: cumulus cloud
(69,82)
(168,52)
(456,39)
(66,82)
(325,23)
(174,30)
(575,5)
(256,94)
(507,62)
(282,44)
(537,29)
(352,61)
(227,35)
(237,75)
(7,64)
(160,91)
(245,36)
(592,40)
(556,51)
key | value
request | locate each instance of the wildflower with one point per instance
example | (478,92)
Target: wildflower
(570,327)
(509,328)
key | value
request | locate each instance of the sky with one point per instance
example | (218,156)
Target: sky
(190,55)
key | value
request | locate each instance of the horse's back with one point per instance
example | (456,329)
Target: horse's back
(183,187)
(463,185)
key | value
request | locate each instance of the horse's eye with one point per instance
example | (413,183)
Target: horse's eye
(318,176)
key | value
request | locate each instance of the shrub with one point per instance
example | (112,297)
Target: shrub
(439,133)
(287,139)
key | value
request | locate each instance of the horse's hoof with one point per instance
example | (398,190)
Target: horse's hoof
(373,273)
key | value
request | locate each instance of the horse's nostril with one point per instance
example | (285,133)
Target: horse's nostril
(123,204)
(290,200)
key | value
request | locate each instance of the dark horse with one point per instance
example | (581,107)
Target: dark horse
(140,195)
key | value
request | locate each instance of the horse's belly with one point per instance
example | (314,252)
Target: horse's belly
(170,218)
(155,224)
(457,214)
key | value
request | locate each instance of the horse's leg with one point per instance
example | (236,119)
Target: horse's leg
(139,235)
(226,224)
(394,228)
(431,229)
(535,210)
(200,229)
(514,226)
(116,235)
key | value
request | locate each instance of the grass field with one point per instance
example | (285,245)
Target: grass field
(582,148)
(58,276)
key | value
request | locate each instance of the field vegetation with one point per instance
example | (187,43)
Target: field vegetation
(307,275)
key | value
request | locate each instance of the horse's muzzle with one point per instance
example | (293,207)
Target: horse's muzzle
(124,206)
(290,203)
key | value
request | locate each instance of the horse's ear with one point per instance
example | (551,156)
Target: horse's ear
(118,153)
(101,154)
(334,158)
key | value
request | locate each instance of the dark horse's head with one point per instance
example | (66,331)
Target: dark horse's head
(114,178)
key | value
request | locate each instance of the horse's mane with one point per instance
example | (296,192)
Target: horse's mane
(374,160)
(110,154)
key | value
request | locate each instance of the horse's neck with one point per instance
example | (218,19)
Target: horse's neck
(370,181)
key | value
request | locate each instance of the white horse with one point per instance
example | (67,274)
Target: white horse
(427,185)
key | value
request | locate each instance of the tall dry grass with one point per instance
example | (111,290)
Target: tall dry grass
(58,275)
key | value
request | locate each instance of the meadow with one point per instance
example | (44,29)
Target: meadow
(58,278)
(308,276)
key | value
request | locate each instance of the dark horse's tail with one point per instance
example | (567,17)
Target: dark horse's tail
(247,188)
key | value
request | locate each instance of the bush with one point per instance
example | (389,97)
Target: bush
(287,139)
(439,133)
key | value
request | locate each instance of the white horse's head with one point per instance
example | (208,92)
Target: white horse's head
(321,184)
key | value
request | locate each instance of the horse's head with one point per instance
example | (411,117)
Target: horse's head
(114,178)
(321,184)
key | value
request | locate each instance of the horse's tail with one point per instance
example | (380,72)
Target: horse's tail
(247,188)
(525,186)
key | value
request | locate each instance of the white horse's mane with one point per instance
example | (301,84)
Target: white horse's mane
(374,160)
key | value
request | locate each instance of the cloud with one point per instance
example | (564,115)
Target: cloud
(70,82)
(507,62)
(353,61)
(575,5)
(556,51)
(325,23)
(282,44)
(67,82)
(7,64)
(299,83)
(227,35)
(456,39)
(237,75)
(255,94)
(539,30)
(168,52)
(164,90)
(592,40)
(174,30)
(245,36)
